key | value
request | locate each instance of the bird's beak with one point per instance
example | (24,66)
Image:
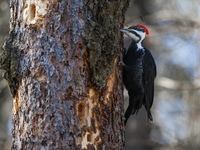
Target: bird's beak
(132,34)
(125,30)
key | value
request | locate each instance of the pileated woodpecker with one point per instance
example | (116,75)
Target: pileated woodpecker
(139,72)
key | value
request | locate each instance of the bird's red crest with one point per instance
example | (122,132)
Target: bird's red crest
(147,31)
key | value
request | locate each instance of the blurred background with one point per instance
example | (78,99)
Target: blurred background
(5,96)
(174,27)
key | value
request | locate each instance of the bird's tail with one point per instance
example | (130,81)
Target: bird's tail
(131,109)
(134,105)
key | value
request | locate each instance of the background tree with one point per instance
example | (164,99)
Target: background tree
(60,64)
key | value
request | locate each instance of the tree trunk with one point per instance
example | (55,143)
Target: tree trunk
(60,60)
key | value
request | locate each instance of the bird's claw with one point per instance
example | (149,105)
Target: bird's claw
(120,63)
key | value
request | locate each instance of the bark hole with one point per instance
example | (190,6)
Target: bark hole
(32,11)
(44,143)
(42,116)
(69,91)
(89,137)
(87,110)
(81,112)
(80,46)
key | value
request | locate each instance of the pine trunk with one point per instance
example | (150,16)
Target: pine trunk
(60,59)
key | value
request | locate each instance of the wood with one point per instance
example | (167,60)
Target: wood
(60,60)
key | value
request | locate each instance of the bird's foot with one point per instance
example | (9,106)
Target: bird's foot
(121,63)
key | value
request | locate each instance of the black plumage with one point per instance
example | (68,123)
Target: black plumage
(139,72)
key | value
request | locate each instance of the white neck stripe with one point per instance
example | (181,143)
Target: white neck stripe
(139,45)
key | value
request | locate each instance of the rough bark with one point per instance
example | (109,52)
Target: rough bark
(60,60)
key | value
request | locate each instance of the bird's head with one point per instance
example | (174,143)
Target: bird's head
(137,33)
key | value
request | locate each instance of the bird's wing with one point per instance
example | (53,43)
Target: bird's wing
(149,74)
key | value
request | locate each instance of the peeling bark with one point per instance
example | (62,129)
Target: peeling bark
(60,60)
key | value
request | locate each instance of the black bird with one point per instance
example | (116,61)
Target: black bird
(139,72)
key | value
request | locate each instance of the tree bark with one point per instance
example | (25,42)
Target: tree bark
(60,60)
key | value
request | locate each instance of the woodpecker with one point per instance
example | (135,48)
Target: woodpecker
(139,72)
